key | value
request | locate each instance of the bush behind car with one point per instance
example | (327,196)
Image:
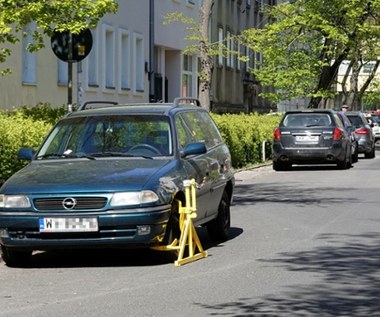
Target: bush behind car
(27,126)
(245,134)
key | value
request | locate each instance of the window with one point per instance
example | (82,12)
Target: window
(187,76)
(231,50)
(238,62)
(220,39)
(196,126)
(92,61)
(138,56)
(228,49)
(124,60)
(63,76)
(248,59)
(258,60)
(29,59)
(368,68)
(109,57)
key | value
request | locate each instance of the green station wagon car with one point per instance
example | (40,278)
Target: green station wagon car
(112,176)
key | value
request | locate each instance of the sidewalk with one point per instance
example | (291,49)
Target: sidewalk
(244,174)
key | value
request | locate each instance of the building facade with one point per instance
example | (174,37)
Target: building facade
(234,87)
(134,58)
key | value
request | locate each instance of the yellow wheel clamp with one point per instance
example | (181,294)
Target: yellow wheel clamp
(189,237)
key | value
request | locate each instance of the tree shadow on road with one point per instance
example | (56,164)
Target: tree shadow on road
(249,194)
(349,282)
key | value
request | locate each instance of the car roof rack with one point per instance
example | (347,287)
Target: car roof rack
(97,104)
(186,101)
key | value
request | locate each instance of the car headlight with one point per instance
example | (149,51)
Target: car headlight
(14,201)
(133,198)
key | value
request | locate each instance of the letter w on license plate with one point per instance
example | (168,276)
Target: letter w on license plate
(68,224)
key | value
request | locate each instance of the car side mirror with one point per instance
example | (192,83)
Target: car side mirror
(195,148)
(25,154)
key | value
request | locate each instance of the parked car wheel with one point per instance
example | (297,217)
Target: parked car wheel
(15,258)
(173,230)
(279,166)
(346,163)
(219,228)
(371,154)
(355,156)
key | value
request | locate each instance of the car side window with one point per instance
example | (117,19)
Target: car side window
(183,132)
(197,126)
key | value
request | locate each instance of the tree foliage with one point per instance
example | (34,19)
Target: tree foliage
(304,42)
(48,15)
(200,44)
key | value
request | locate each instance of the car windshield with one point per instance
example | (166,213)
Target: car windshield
(100,136)
(307,120)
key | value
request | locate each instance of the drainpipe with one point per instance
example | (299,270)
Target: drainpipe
(152,97)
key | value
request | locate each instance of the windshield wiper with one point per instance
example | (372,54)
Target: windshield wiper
(120,154)
(62,155)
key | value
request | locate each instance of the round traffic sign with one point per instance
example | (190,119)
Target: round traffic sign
(81,45)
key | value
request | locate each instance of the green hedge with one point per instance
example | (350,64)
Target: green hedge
(16,131)
(27,126)
(245,134)
(23,127)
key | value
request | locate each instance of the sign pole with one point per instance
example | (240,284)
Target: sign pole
(70,74)
(71,48)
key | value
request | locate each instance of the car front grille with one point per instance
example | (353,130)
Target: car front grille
(71,203)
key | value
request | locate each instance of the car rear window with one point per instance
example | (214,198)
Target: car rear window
(307,120)
(356,120)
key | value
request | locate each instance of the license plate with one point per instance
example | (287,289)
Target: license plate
(307,138)
(68,224)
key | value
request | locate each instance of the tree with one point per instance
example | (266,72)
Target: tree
(198,37)
(48,15)
(305,42)
(205,54)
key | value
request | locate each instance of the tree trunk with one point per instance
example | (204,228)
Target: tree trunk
(204,57)
(367,82)
(326,79)
(351,98)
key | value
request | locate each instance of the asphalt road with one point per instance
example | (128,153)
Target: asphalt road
(303,243)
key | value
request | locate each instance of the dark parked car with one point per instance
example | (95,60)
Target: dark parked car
(311,137)
(351,131)
(363,133)
(113,177)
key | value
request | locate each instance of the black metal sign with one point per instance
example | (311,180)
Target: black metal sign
(70,47)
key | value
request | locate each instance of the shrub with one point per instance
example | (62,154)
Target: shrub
(41,112)
(16,131)
(245,133)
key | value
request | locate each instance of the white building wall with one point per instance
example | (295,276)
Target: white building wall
(118,66)
(170,42)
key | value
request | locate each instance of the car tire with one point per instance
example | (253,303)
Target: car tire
(345,164)
(173,230)
(219,228)
(279,166)
(15,258)
(355,156)
(371,154)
